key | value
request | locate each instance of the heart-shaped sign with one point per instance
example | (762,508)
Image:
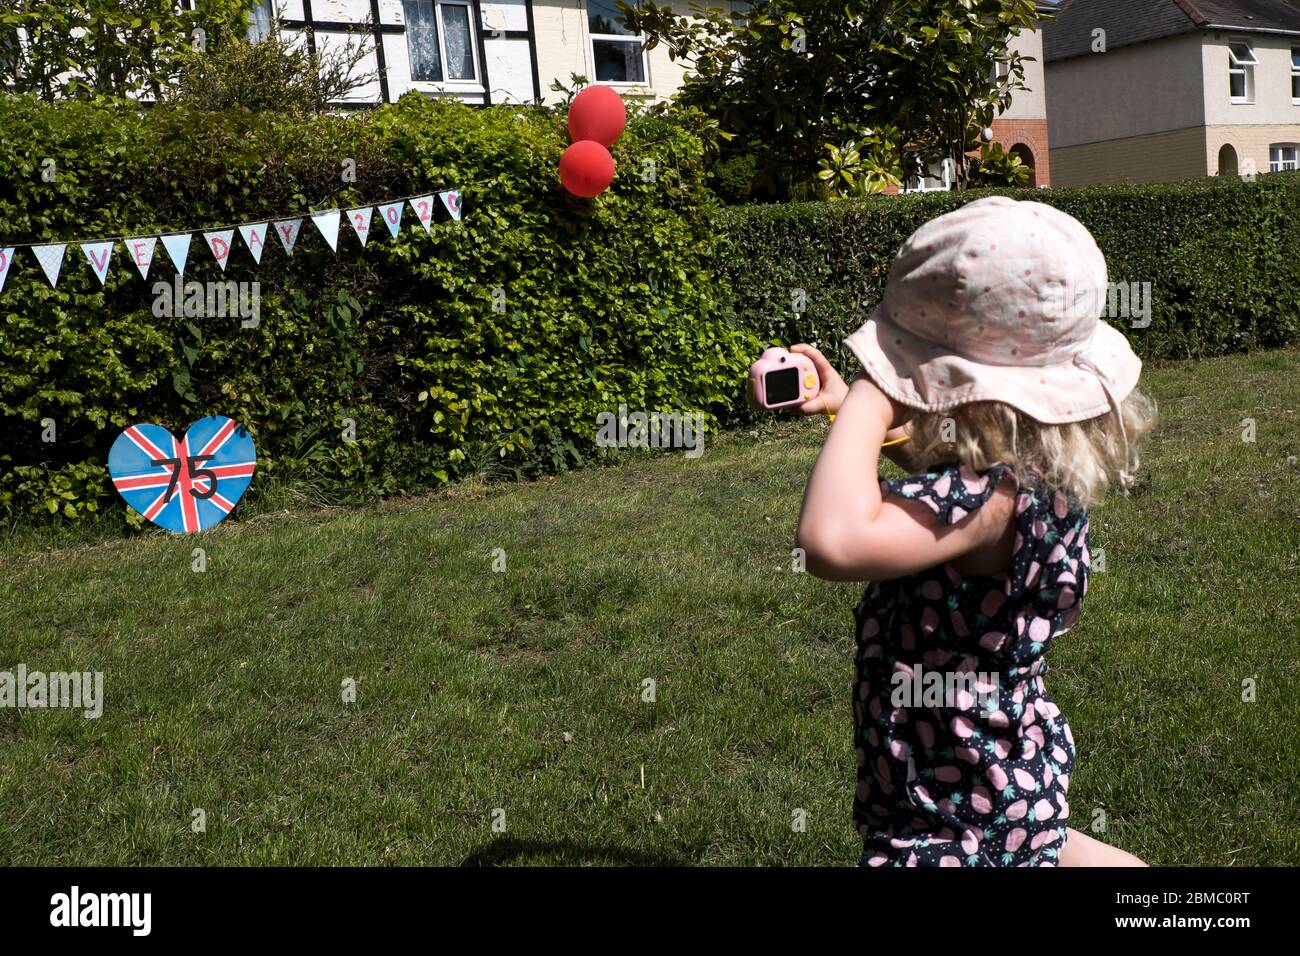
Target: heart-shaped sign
(186,485)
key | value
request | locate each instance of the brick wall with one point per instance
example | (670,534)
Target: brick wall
(1032,133)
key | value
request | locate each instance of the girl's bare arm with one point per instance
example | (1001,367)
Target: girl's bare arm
(850,533)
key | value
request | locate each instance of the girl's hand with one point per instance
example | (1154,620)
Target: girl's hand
(833,390)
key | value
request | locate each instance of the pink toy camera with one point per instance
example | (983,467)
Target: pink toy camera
(782,378)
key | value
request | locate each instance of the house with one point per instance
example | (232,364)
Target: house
(1159,90)
(482,51)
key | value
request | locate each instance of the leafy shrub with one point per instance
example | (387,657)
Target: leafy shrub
(276,73)
(495,342)
(997,167)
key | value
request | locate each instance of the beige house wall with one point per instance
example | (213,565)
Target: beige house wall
(1251,144)
(1272,103)
(1158,157)
(1129,92)
(564,47)
(1031,103)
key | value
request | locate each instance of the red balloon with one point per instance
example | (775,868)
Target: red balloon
(597,113)
(587,169)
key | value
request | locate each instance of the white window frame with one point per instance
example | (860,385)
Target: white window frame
(592,38)
(1295,76)
(1278,164)
(476,83)
(1243,66)
(946,172)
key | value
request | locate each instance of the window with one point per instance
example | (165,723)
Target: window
(617,52)
(1241,72)
(938,178)
(260,19)
(439,40)
(1295,74)
(1283,157)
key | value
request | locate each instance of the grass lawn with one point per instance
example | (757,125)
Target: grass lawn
(523,690)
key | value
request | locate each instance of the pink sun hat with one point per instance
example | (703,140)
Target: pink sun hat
(999,301)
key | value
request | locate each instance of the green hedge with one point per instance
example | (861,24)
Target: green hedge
(1222,257)
(605,303)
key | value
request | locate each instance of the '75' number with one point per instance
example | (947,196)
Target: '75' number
(195,474)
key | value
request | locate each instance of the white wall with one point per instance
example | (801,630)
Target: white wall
(509,59)
(508,67)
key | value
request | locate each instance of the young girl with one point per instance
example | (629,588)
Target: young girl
(1020,406)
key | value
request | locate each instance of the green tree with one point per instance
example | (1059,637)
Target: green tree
(115,48)
(791,79)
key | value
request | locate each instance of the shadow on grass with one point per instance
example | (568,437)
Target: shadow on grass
(507,850)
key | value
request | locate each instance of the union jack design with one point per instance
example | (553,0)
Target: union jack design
(187,485)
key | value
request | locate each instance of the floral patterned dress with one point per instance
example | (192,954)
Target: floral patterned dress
(963,758)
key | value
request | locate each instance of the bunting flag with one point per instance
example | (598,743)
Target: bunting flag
(451,199)
(178,247)
(255,238)
(98,253)
(423,209)
(392,216)
(360,219)
(51,260)
(6,258)
(141,253)
(328,224)
(287,230)
(220,239)
(219,242)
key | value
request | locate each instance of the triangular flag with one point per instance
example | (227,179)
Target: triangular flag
(255,238)
(98,253)
(392,215)
(6,259)
(141,253)
(219,242)
(360,219)
(423,207)
(287,230)
(51,260)
(328,224)
(178,247)
(451,199)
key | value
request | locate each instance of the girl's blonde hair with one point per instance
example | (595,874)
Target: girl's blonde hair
(1080,459)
